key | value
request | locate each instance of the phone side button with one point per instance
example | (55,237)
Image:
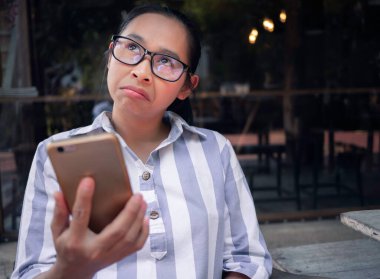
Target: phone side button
(154,215)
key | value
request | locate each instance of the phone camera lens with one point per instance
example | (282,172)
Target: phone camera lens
(60,149)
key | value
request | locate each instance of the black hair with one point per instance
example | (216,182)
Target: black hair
(190,26)
(183,108)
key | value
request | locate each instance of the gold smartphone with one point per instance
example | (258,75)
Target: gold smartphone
(100,157)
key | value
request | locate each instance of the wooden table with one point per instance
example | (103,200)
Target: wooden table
(364,221)
(278,274)
(249,147)
(351,259)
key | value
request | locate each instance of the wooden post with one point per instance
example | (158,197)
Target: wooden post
(1,210)
(1,70)
(291,44)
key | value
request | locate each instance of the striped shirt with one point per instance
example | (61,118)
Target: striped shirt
(204,216)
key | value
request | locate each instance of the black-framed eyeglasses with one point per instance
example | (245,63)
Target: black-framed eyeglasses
(164,66)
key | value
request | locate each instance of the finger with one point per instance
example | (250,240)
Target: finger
(143,234)
(137,225)
(138,243)
(61,215)
(133,208)
(126,246)
(82,206)
(119,227)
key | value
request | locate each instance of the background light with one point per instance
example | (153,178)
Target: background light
(253,36)
(283,16)
(254,32)
(268,24)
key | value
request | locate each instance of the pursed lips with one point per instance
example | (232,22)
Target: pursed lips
(139,91)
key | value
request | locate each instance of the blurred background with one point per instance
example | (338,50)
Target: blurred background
(293,84)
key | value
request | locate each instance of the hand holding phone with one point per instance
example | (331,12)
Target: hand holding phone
(80,254)
(100,157)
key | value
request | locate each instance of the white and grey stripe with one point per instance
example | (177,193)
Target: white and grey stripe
(205,220)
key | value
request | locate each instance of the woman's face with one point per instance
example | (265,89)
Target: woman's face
(134,88)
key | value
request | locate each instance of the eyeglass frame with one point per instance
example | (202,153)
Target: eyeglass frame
(114,38)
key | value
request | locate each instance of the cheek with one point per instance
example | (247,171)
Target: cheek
(168,89)
(115,73)
(110,81)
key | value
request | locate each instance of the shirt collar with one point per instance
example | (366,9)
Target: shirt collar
(179,125)
(102,123)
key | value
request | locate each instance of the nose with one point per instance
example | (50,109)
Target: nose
(142,71)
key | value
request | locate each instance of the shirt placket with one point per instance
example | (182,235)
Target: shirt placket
(157,236)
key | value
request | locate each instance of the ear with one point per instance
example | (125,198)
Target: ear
(186,90)
(109,54)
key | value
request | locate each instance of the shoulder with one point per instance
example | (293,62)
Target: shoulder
(212,140)
(41,148)
(211,135)
(189,132)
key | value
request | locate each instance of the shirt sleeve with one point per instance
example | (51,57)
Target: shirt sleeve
(245,250)
(35,248)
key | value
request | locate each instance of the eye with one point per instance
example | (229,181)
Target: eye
(132,46)
(165,61)
(127,45)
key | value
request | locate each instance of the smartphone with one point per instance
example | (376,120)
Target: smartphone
(100,157)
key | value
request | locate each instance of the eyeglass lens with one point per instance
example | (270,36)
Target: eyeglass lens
(163,66)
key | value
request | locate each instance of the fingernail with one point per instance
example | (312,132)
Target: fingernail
(139,197)
(86,184)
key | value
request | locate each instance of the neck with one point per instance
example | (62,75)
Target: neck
(141,135)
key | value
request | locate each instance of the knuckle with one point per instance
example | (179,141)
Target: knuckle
(139,244)
(96,254)
(71,246)
(71,249)
(129,239)
(118,234)
(80,214)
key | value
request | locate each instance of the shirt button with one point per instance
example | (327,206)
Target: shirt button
(146,175)
(154,214)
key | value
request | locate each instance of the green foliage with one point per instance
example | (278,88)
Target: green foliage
(79,31)
(66,33)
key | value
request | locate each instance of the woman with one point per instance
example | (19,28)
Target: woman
(192,215)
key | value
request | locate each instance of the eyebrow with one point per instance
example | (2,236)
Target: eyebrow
(141,40)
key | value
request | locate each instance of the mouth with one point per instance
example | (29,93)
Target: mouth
(136,92)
